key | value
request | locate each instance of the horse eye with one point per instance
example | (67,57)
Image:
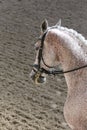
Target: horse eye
(36,48)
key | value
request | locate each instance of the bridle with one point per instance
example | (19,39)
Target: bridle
(38,69)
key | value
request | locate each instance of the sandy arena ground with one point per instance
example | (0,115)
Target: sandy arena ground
(24,106)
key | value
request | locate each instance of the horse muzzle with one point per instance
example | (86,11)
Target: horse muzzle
(37,77)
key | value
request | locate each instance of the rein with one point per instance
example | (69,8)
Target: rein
(57,72)
(40,70)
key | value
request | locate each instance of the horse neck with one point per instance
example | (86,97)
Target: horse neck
(69,50)
(71,55)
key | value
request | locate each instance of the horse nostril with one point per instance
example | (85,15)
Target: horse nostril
(32,77)
(32,73)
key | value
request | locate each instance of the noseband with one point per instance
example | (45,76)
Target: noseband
(38,69)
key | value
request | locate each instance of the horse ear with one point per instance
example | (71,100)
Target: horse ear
(44,25)
(59,23)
